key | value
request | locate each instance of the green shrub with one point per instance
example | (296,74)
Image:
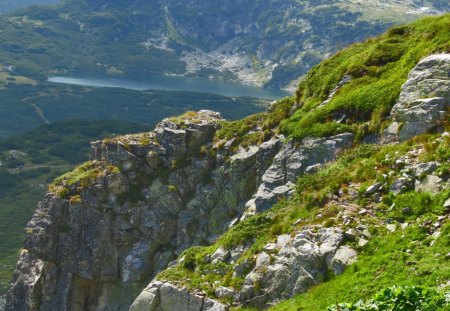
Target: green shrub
(407,298)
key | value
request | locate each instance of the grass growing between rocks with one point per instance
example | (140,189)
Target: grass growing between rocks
(403,257)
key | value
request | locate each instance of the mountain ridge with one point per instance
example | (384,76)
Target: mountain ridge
(237,41)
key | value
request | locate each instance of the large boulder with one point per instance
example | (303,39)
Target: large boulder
(424,99)
(160,296)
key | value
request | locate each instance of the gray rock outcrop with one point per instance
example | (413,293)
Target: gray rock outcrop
(294,265)
(158,296)
(96,242)
(292,161)
(424,99)
(289,266)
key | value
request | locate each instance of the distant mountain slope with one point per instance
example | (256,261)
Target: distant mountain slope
(9,5)
(268,42)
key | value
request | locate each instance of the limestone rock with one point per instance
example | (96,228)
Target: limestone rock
(297,264)
(160,296)
(431,183)
(148,300)
(424,99)
(447,203)
(223,292)
(290,163)
(344,256)
(401,185)
(373,189)
(424,168)
(221,254)
(26,286)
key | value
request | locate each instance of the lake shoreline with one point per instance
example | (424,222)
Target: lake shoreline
(171,83)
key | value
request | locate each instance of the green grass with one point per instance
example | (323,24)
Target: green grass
(405,298)
(378,67)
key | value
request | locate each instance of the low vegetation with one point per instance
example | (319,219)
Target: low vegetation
(399,298)
(24,107)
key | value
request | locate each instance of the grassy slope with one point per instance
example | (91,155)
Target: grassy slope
(379,67)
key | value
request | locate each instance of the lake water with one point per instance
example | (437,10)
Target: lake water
(176,84)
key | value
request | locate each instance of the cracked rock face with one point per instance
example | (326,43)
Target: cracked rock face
(424,100)
(291,162)
(167,195)
(291,265)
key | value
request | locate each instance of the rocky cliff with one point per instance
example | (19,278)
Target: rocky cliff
(294,262)
(105,230)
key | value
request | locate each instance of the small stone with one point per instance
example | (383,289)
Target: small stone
(362,242)
(441,218)
(377,198)
(422,169)
(350,235)
(262,261)
(447,203)
(270,247)
(221,254)
(400,185)
(391,227)
(404,225)
(223,292)
(373,189)
(366,233)
(399,164)
(436,235)
(297,222)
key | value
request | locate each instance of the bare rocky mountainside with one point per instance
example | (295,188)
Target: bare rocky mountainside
(205,214)
(268,43)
